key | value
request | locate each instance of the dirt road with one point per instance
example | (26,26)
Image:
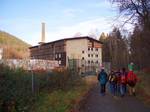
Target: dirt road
(97,103)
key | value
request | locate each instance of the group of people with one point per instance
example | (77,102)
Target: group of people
(119,82)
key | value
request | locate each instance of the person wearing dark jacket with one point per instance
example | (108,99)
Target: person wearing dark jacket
(112,78)
(102,78)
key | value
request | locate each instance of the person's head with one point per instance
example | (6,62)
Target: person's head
(123,69)
(102,67)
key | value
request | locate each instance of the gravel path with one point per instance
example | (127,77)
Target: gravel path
(97,103)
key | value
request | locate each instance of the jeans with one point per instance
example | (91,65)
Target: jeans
(103,88)
(113,88)
(122,89)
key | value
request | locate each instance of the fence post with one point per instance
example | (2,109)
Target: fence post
(32,81)
(32,67)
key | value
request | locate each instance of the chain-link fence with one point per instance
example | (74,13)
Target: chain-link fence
(83,67)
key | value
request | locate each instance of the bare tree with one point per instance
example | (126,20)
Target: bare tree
(136,10)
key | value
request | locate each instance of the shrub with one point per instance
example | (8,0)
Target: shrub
(16,86)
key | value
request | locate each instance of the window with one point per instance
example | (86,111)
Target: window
(56,56)
(82,58)
(88,61)
(92,61)
(91,49)
(96,49)
(82,65)
(88,55)
(83,52)
(59,62)
(59,55)
(91,55)
(96,55)
(96,62)
(88,49)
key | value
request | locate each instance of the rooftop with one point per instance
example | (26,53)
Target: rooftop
(65,39)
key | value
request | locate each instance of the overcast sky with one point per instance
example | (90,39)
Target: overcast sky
(63,18)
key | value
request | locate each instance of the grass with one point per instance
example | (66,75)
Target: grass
(143,87)
(59,100)
(58,92)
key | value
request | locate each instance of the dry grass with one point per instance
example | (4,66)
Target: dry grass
(143,87)
(90,80)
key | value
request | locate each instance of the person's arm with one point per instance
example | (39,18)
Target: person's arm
(98,77)
(106,77)
(137,78)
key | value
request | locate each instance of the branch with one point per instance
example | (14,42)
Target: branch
(128,19)
(145,10)
(136,8)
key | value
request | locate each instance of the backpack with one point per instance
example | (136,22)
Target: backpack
(112,78)
(132,77)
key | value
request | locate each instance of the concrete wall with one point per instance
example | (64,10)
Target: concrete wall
(78,49)
(30,64)
(74,48)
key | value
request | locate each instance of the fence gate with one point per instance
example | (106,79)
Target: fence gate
(83,67)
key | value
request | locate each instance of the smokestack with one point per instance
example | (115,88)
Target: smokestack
(42,34)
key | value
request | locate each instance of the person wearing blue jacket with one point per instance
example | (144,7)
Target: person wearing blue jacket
(102,78)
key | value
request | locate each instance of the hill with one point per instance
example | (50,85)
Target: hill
(13,47)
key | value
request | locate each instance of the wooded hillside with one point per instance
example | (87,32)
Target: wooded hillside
(12,46)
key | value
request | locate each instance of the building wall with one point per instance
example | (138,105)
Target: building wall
(94,52)
(87,51)
(50,51)
(74,48)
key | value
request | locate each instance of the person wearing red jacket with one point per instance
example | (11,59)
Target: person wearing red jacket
(132,80)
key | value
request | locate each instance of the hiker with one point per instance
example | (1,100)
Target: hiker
(118,75)
(123,82)
(132,80)
(112,82)
(102,78)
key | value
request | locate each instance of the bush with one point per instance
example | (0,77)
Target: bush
(16,86)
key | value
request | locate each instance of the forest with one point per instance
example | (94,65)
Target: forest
(121,48)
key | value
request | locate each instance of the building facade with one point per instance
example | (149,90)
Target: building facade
(86,50)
